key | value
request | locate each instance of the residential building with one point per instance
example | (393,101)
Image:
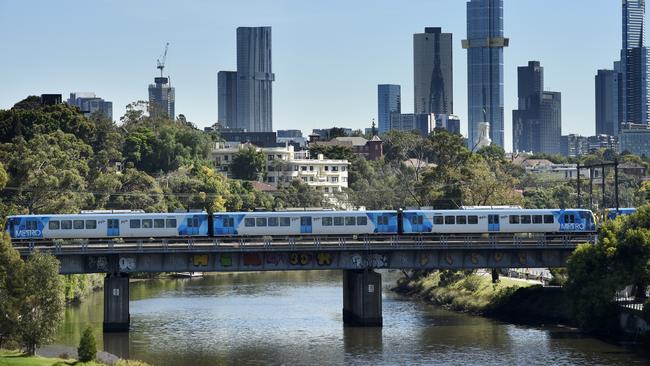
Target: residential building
(543,166)
(370,149)
(284,165)
(261,139)
(574,146)
(227,98)
(433,72)
(293,137)
(51,99)
(608,85)
(89,103)
(324,134)
(602,141)
(289,133)
(537,123)
(422,123)
(254,79)
(485,42)
(162,98)
(635,139)
(449,122)
(635,64)
(388,101)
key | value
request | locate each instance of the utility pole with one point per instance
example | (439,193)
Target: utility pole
(579,190)
(616,183)
(603,180)
(591,189)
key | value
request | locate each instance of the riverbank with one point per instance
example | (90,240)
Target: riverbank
(17,358)
(508,299)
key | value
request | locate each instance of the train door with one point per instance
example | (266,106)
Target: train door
(305,224)
(224,225)
(493,223)
(193,226)
(417,223)
(113,227)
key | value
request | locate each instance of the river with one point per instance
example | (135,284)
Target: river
(294,318)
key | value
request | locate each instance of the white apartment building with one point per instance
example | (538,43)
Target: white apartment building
(284,165)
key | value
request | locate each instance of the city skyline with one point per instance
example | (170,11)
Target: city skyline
(297,106)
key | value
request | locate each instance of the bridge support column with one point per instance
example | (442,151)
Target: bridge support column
(362,298)
(116,303)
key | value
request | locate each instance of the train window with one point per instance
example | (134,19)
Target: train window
(91,224)
(190,222)
(338,221)
(417,220)
(362,220)
(53,225)
(134,224)
(159,223)
(569,219)
(273,221)
(260,221)
(78,224)
(170,223)
(514,219)
(548,219)
(472,220)
(461,220)
(450,220)
(350,221)
(525,219)
(327,221)
(227,222)
(438,220)
(285,221)
(249,222)
(147,224)
(66,224)
(537,219)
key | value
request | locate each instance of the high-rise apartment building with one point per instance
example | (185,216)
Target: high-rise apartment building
(227,98)
(635,64)
(89,103)
(388,101)
(162,98)
(254,79)
(433,72)
(485,42)
(608,86)
(422,123)
(537,123)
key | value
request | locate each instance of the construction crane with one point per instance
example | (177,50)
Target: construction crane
(161,64)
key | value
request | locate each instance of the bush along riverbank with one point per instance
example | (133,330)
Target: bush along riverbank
(472,292)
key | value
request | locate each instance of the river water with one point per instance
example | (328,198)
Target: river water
(294,318)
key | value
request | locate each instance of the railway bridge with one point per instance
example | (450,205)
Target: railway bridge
(357,256)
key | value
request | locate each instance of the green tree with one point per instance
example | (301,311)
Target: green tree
(248,164)
(298,194)
(4,177)
(331,152)
(137,191)
(43,302)
(87,349)
(11,289)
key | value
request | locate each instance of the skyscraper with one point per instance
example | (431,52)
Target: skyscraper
(388,101)
(433,72)
(484,44)
(254,79)
(227,98)
(162,98)
(89,103)
(635,64)
(608,83)
(537,123)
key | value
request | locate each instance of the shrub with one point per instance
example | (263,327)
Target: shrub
(87,347)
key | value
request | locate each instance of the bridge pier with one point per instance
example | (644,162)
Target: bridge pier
(116,303)
(362,298)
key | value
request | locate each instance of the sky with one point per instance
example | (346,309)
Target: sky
(328,56)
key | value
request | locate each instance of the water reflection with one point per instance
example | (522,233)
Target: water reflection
(295,318)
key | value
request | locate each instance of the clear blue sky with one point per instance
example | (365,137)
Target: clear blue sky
(328,56)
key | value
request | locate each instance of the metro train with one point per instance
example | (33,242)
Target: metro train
(295,223)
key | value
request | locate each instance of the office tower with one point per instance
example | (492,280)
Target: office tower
(634,64)
(607,88)
(51,99)
(433,72)
(89,103)
(635,139)
(484,44)
(449,122)
(388,101)
(537,123)
(254,79)
(162,98)
(574,146)
(422,123)
(227,98)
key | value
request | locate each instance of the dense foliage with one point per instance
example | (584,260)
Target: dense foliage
(87,349)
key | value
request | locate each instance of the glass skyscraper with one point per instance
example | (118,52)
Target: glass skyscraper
(433,77)
(227,98)
(634,64)
(608,86)
(162,98)
(254,79)
(485,42)
(388,101)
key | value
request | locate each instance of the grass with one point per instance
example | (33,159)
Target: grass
(471,293)
(17,358)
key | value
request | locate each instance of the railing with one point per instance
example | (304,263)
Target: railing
(306,242)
